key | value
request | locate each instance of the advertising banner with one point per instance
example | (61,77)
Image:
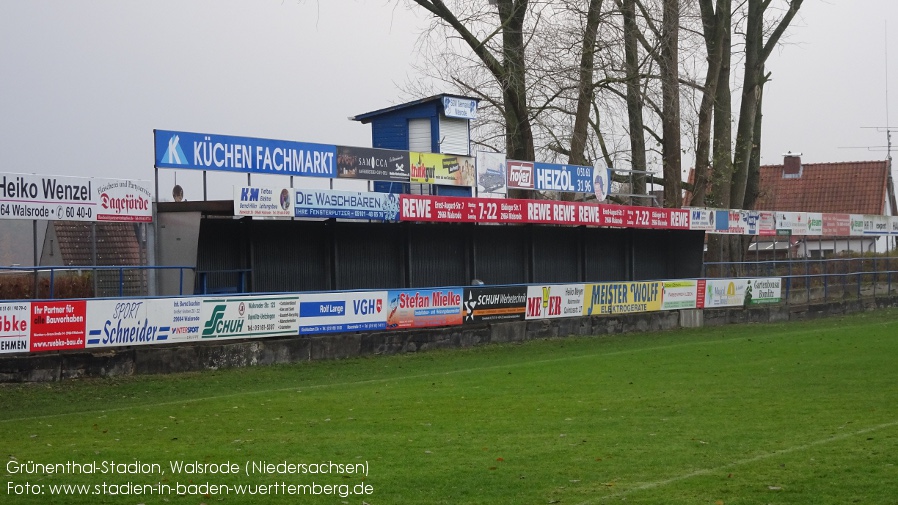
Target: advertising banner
(58,325)
(491,174)
(185,317)
(520,174)
(601,182)
(743,222)
(876,225)
(795,222)
(373,164)
(766,290)
(767,223)
(15,327)
(424,307)
(815,223)
(622,297)
(206,151)
(857,225)
(652,217)
(113,323)
(263,202)
(893,225)
(346,205)
(124,200)
(445,169)
(836,225)
(494,304)
(725,293)
(24,196)
(336,312)
(463,108)
(564,178)
(554,300)
(677,295)
(701,219)
(248,317)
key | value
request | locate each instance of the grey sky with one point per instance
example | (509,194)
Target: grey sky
(85,82)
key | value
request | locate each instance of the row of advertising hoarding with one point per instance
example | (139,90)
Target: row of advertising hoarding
(321,203)
(487,172)
(56,325)
(56,198)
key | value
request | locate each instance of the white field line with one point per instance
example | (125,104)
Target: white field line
(722,468)
(431,375)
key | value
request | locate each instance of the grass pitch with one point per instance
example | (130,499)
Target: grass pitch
(791,413)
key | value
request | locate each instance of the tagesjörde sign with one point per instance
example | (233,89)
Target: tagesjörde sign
(54,198)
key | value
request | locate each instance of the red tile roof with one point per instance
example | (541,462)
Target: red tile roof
(857,187)
(117,243)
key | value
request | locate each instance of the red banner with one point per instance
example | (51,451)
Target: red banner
(501,210)
(837,225)
(58,325)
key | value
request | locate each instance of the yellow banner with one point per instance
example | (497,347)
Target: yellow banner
(622,297)
(446,169)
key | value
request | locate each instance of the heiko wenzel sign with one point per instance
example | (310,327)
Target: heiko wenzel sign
(205,151)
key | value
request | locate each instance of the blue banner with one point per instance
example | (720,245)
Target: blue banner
(346,205)
(204,151)
(566,178)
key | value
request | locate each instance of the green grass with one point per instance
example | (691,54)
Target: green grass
(792,413)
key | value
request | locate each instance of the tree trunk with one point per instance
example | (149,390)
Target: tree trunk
(585,88)
(715,25)
(634,95)
(670,92)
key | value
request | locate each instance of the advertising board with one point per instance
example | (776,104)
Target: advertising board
(336,312)
(248,317)
(15,327)
(373,164)
(346,205)
(207,151)
(676,295)
(445,169)
(494,304)
(263,201)
(58,325)
(554,300)
(421,308)
(135,321)
(622,297)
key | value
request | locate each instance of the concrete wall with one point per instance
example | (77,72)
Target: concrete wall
(216,355)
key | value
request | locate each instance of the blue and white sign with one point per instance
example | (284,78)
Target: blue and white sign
(346,205)
(462,108)
(114,323)
(336,312)
(601,182)
(565,178)
(204,151)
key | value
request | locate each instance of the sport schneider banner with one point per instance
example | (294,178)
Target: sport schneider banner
(622,297)
(346,205)
(15,327)
(263,202)
(248,317)
(112,323)
(337,312)
(373,164)
(445,169)
(493,210)
(421,308)
(206,151)
(494,304)
(58,325)
(554,300)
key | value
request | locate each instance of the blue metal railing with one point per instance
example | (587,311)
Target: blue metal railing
(54,273)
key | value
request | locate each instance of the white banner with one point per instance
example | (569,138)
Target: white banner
(15,327)
(336,312)
(263,201)
(556,300)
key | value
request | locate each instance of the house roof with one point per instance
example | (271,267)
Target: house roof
(857,187)
(117,243)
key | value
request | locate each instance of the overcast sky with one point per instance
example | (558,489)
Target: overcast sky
(84,83)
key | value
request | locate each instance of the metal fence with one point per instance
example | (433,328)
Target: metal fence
(17,283)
